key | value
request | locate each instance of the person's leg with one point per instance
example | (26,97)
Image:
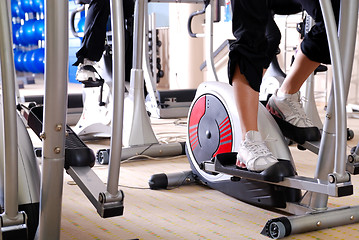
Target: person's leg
(253,153)
(301,69)
(93,42)
(247,61)
(285,103)
(246,101)
(313,50)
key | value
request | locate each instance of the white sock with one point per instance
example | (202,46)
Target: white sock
(282,94)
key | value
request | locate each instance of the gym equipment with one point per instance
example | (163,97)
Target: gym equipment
(16,10)
(160,104)
(58,151)
(96,114)
(20,178)
(212,144)
(37,6)
(136,140)
(140,140)
(38,60)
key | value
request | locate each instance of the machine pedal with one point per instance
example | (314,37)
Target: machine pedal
(297,134)
(226,163)
(77,153)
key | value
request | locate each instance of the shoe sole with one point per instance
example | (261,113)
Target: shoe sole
(297,134)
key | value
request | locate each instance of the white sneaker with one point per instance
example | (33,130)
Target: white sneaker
(86,72)
(290,109)
(254,153)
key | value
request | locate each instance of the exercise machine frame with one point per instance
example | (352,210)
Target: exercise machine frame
(331,177)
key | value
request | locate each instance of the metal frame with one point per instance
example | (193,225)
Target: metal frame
(11,216)
(328,179)
(331,177)
(107,199)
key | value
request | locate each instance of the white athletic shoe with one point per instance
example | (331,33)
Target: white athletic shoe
(86,71)
(290,109)
(254,153)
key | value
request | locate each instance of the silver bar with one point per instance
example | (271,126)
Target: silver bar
(138,35)
(9,114)
(95,191)
(298,182)
(325,163)
(312,146)
(338,83)
(209,41)
(153,150)
(326,219)
(347,38)
(55,107)
(149,77)
(118,91)
(312,221)
(88,181)
(332,152)
(11,218)
(137,130)
(313,185)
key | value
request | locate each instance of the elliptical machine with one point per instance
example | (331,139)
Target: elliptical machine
(213,132)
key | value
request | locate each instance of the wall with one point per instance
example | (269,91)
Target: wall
(185,53)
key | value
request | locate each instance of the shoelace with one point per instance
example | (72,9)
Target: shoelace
(299,114)
(257,148)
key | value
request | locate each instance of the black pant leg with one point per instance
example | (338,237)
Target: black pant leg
(249,24)
(315,43)
(93,42)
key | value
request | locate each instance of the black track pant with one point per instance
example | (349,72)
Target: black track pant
(93,42)
(253,49)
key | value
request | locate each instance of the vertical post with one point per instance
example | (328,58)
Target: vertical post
(338,90)
(138,34)
(118,82)
(209,41)
(9,113)
(55,101)
(347,38)
(332,152)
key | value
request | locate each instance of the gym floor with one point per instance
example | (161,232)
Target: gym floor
(187,212)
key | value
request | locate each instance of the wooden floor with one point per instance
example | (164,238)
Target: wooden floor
(188,212)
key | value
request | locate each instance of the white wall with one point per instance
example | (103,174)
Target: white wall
(185,53)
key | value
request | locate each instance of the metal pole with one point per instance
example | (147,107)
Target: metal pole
(338,90)
(118,83)
(55,101)
(138,35)
(9,112)
(347,38)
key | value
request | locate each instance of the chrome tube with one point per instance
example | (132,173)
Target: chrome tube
(9,105)
(55,108)
(118,90)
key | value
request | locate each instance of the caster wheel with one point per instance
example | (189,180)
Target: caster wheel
(350,134)
(103,156)
(276,230)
